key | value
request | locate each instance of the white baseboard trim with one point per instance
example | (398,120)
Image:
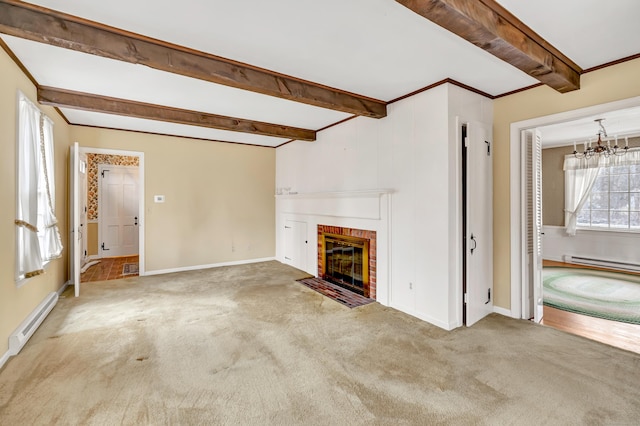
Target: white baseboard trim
(426,318)
(31,323)
(212,265)
(4,358)
(63,288)
(503,311)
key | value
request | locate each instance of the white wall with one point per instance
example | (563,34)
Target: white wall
(605,245)
(414,152)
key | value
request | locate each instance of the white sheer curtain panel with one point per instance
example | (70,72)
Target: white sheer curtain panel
(51,241)
(631,158)
(577,184)
(579,176)
(28,255)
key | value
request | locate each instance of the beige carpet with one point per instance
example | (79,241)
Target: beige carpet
(248,345)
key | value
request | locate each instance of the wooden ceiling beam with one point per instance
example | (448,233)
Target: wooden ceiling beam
(59,29)
(491,27)
(89,102)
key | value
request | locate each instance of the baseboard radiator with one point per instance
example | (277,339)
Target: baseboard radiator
(602,263)
(19,337)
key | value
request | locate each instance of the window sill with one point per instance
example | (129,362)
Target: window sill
(22,281)
(609,230)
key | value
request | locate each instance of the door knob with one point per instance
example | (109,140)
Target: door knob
(136,220)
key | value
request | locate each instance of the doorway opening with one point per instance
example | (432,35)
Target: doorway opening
(525,213)
(113,208)
(110,214)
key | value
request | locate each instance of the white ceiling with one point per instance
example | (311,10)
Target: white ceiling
(618,123)
(375,48)
(589,32)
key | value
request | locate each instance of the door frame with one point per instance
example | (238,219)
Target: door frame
(517,194)
(74,218)
(100,195)
(82,205)
(141,207)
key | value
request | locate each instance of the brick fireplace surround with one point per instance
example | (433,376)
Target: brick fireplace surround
(351,232)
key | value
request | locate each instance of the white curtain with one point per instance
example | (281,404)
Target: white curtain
(28,256)
(631,158)
(579,177)
(37,234)
(51,241)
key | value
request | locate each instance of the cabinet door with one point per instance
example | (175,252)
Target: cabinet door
(479,256)
(295,245)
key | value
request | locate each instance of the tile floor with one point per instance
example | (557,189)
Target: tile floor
(109,268)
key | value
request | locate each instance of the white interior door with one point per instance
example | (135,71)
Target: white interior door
(118,210)
(479,229)
(295,247)
(536,168)
(75,239)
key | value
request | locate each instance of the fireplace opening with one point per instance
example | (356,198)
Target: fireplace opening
(346,262)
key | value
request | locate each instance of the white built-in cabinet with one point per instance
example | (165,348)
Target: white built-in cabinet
(296,243)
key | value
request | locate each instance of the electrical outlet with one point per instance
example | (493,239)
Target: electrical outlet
(158,198)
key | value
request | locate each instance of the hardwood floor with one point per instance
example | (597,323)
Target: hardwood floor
(621,335)
(618,334)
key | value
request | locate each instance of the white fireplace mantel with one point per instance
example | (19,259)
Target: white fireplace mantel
(360,209)
(364,204)
(337,194)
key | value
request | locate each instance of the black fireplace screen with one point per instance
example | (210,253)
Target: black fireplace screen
(346,262)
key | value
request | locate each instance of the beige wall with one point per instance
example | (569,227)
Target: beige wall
(220,204)
(17,303)
(553,185)
(92,239)
(609,84)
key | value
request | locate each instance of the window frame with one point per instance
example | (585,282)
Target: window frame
(629,210)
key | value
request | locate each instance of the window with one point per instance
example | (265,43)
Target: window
(37,236)
(614,200)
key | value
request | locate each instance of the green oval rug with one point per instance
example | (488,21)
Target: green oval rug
(609,295)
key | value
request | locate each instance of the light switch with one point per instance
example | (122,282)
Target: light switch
(158,198)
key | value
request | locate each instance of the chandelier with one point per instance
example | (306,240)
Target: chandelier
(600,148)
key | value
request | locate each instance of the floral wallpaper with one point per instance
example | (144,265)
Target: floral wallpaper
(93,160)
